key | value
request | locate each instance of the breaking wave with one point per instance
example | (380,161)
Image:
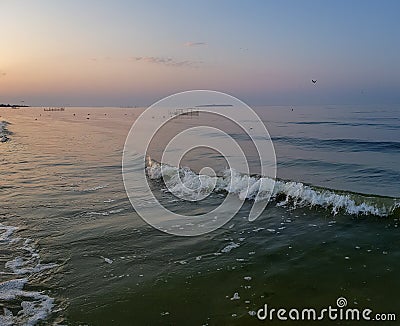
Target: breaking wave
(285,193)
(19,305)
(4,132)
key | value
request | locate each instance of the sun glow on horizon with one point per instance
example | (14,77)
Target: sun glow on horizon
(96,53)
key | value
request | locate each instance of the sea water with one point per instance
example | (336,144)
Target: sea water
(74,251)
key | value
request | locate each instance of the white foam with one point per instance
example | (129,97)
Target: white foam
(35,306)
(20,266)
(7,231)
(4,132)
(235,296)
(302,195)
(95,188)
(296,194)
(98,213)
(116,211)
(29,263)
(107,260)
(229,247)
(182,182)
(105,213)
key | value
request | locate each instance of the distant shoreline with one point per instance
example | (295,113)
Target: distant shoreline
(13,106)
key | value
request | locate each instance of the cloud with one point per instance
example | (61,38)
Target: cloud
(168,61)
(195,44)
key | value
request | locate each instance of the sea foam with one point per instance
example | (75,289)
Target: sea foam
(4,133)
(34,306)
(290,194)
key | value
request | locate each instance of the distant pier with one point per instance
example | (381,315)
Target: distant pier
(188,112)
(53,109)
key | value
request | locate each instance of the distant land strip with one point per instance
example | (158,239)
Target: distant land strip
(13,106)
(211,105)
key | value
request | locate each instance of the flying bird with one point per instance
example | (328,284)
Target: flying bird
(313,81)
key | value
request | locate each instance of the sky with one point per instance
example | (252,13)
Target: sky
(126,53)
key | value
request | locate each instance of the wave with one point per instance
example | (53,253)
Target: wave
(341,145)
(291,194)
(95,188)
(34,306)
(4,132)
(348,124)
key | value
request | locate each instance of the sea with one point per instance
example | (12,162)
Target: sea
(74,251)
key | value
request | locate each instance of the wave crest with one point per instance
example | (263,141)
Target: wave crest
(290,194)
